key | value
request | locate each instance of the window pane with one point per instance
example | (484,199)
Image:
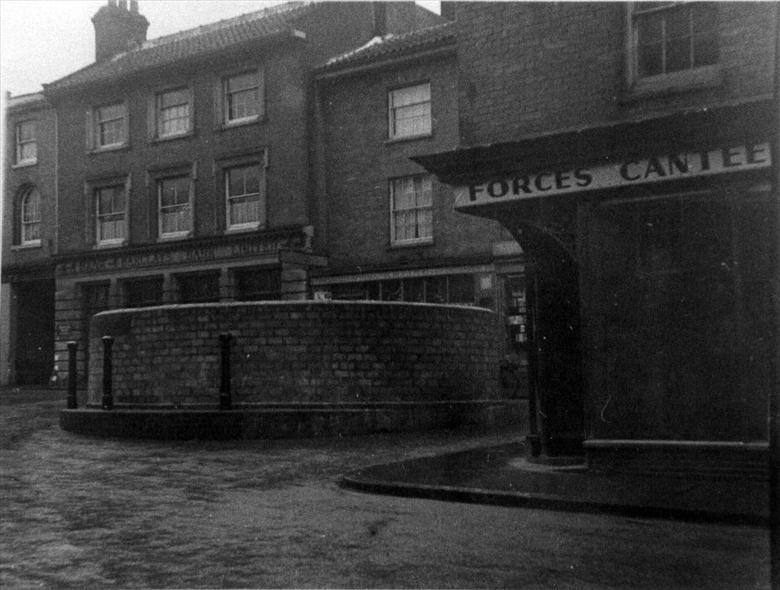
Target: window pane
(414,289)
(244,190)
(115,111)
(143,292)
(174,98)
(242,82)
(26,131)
(174,191)
(650,60)
(436,289)
(236,181)
(410,111)
(175,119)
(244,210)
(462,289)
(252,179)
(111,132)
(31,206)
(678,22)
(413,119)
(650,29)
(411,208)
(392,290)
(198,288)
(258,284)
(119,198)
(414,94)
(425,192)
(28,151)
(105,201)
(242,96)
(678,55)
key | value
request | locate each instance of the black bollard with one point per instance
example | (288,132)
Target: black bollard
(108,397)
(225,402)
(72,403)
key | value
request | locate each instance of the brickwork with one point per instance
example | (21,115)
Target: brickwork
(566,66)
(327,352)
(26,327)
(40,174)
(359,162)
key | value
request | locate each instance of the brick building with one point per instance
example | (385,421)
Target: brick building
(29,233)
(183,163)
(388,226)
(627,147)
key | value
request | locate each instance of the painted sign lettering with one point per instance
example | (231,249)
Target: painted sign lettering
(674,166)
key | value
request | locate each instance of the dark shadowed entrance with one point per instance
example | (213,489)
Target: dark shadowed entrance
(555,374)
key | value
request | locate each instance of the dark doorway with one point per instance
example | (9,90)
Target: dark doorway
(34,345)
(555,371)
(94,299)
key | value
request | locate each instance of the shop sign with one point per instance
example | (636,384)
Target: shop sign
(675,166)
(119,261)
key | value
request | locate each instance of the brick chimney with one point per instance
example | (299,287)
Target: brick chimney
(118,28)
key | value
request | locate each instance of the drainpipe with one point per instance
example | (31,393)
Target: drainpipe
(774,402)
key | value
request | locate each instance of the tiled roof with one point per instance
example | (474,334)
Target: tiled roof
(391,46)
(193,42)
(24,99)
(24,102)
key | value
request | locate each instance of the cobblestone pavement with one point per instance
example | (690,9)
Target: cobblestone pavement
(89,513)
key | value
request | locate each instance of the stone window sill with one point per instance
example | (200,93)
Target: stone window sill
(29,246)
(26,164)
(674,83)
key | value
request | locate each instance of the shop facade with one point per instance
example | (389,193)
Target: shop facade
(649,231)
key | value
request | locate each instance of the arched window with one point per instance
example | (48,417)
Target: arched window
(30,217)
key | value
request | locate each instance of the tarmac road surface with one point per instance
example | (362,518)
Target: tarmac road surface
(90,513)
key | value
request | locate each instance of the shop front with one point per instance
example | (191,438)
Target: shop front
(650,250)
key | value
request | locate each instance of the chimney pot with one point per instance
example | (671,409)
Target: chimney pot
(117,29)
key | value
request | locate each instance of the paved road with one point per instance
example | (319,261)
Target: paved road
(87,513)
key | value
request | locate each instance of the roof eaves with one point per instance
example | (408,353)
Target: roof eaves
(378,47)
(386,61)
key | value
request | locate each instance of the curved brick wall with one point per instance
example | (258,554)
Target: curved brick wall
(299,353)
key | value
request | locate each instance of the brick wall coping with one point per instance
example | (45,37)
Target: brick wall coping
(294,304)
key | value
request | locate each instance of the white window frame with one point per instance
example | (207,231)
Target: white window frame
(21,143)
(261,196)
(426,184)
(227,95)
(187,206)
(101,216)
(394,96)
(99,122)
(26,224)
(694,76)
(159,111)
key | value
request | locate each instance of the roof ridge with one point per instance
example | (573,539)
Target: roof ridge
(225,22)
(388,41)
(258,24)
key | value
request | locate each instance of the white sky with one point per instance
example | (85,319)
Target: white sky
(43,40)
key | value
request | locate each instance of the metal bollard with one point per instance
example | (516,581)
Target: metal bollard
(108,397)
(72,402)
(225,401)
